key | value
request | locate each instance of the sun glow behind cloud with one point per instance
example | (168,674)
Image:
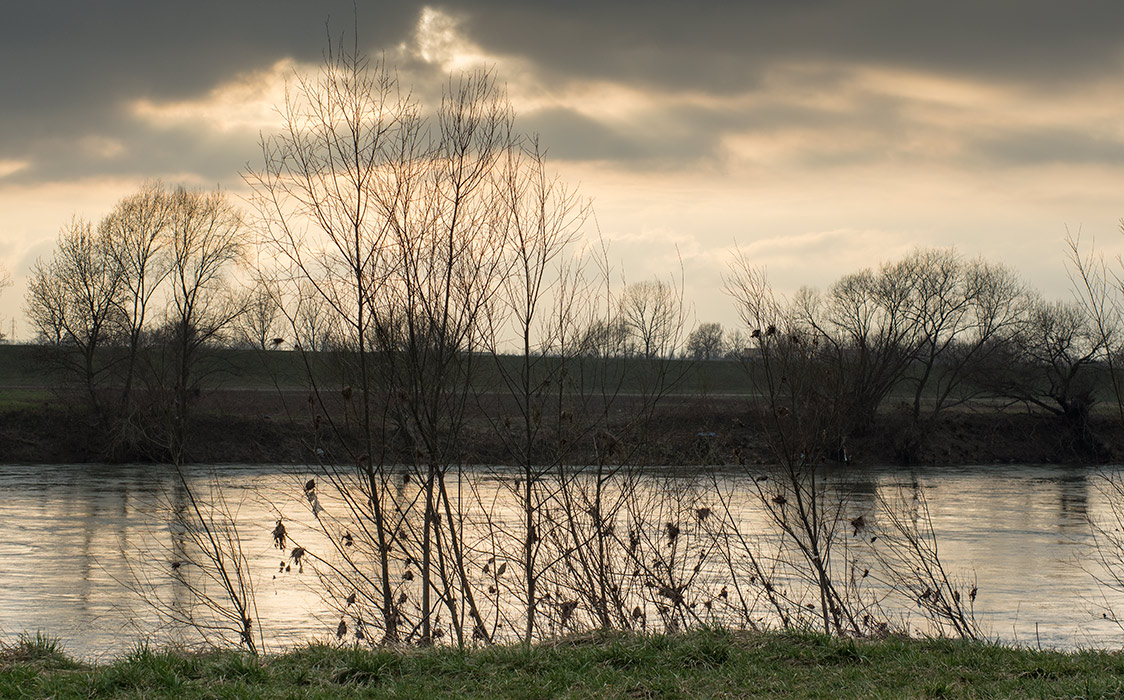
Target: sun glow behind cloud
(438,40)
(249,102)
(11,166)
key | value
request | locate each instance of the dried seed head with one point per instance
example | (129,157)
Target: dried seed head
(672,531)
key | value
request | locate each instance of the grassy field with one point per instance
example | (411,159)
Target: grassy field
(255,369)
(247,369)
(702,664)
(19,368)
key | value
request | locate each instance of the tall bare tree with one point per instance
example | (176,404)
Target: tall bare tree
(864,324)
(537,294)
(1050,363)
(959,308)
(396,222)
(73,303)
(448,242)
(317,194)
(801,420)
(1099,289)
(206,239)
(137,235)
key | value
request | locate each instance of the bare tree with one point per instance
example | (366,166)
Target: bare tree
(72,301)
(867,334)
(605,338)
(323,219)
(537,294)
(1050,363)
(396,223)
(206,240)
(650,310)
(94,297)
(1104,558)
(5,282)
(309,318)
(910,565)
(152,270)
(706,342)
(925,322)
(449,240)
(737,344)
(958,308)
(804,501)
(260,323)
(796,419)
(1100,292)
(212,588)
(137,236)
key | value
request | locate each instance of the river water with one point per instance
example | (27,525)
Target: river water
(71,537)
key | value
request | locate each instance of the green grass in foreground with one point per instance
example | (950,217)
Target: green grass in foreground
(703,664)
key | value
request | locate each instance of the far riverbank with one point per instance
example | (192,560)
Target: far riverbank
(277,427)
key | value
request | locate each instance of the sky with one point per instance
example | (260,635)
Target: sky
(817,137)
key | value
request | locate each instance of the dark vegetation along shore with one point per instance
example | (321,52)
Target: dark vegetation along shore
(257,410)
(700,664)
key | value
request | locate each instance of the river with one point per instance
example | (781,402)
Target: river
(70,536)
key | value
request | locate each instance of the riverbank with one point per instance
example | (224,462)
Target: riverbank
(700,664)
(261,426)
(258,410)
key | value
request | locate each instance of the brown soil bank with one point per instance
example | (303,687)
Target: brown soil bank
(278,427)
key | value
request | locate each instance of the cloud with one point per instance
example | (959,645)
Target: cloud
(766,84)
(1049,146)
(248,102)
(84,67)
(847,248)
(722,47)
(12,166)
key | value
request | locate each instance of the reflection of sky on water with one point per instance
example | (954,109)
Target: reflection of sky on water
(1020,531)
(66,529)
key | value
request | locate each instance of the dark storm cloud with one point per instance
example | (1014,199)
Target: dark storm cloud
(727,50)
(577,137)
(688,134)
(72,67)
(212,159)
(723,46)
(683,135)
(57,53)
(1047,147)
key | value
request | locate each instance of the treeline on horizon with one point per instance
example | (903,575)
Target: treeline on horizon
(128,312)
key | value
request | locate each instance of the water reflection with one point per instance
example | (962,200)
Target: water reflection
(1073,501)
(69,532)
